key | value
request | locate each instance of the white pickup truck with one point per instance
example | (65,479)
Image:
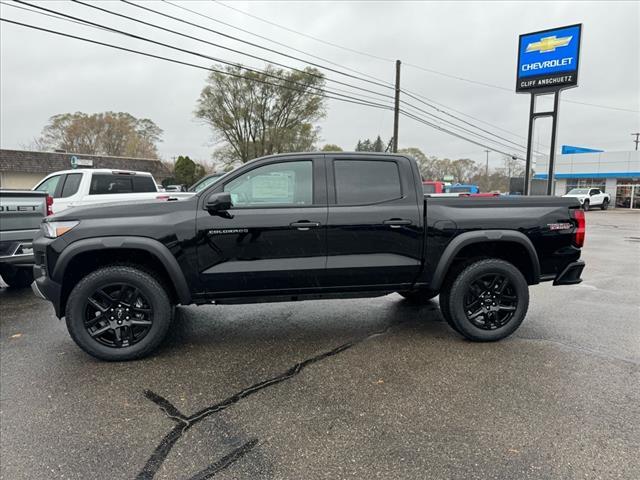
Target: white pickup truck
(590,197)
(87,186)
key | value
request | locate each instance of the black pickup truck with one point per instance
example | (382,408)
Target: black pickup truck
(298,227)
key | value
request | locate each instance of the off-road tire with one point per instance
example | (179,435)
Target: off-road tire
(605,205)
(585,205)
(148,286)
(454,300)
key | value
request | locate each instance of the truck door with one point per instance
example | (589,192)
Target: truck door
(375,227)
(273,238)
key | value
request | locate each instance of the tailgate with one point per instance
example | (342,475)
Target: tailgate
(21,210)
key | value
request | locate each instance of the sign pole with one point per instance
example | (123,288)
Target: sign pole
(552,153)
(527,170)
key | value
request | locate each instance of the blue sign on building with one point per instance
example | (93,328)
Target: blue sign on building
(548,60)
(570,149)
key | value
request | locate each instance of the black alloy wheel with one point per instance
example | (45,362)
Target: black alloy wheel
(119,312)
(118,315)
(491,301)
(487,300)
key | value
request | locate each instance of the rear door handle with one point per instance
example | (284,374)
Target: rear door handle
(397,222)
(304,225)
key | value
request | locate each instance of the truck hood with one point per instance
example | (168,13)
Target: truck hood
(578,196)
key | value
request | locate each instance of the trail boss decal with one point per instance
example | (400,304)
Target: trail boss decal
(559,226)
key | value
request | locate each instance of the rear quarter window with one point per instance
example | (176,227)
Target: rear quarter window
(144,183)
(103,184)
(360,182)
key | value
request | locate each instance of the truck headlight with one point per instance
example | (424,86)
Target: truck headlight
(57,229)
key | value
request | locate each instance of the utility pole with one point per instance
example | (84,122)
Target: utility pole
(486,172)
(637,140)
(396,109)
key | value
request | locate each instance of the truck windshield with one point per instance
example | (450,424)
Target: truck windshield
(205,182)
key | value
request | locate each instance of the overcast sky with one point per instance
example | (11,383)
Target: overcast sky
(43,75)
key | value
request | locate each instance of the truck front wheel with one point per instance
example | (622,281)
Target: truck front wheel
(118,313)
(487,300)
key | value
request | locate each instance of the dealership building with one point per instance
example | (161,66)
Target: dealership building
(617,173)
(23,169)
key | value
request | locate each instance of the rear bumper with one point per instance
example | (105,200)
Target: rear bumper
(45,288)
(571,274)
(25,260)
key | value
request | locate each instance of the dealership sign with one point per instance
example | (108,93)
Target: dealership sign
(548,60)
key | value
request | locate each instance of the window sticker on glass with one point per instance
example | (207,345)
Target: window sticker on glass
(269,187)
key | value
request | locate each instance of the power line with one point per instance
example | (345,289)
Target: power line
(180,62)
(286,66)
(342,47)
(463,121)
(138,37)
(413,65)
(425,122)
(262,37)
(328,61)
(255,44)
(222,46)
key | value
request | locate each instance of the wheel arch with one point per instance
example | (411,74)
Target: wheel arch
(505,244)
(83,256)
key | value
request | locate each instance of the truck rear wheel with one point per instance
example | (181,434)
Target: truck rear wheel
(118,313)
(488,300)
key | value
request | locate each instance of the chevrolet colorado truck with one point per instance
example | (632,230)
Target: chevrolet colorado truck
(297,227)
(21,212)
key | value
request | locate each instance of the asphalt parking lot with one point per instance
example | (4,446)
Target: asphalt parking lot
(373,388)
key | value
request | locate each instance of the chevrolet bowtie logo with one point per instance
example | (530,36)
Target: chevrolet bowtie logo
(548,44)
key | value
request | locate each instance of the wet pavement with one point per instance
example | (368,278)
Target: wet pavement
(371,388)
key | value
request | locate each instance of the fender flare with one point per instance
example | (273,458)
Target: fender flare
(483,236)
(154,247)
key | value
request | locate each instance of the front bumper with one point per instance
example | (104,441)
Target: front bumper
(571,274)
(45,288)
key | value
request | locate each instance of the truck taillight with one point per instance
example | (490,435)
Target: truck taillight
(578,236)
(49,205)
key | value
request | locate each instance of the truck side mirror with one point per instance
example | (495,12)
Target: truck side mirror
(219,202)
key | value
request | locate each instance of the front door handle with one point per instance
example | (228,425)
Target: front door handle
(397,222)
(304,225)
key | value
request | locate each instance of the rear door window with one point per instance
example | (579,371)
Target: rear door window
(144,183)
(71,184)
(103,184)
(361,182)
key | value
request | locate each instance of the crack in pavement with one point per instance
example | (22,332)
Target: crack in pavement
(184,423)
(225,461)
